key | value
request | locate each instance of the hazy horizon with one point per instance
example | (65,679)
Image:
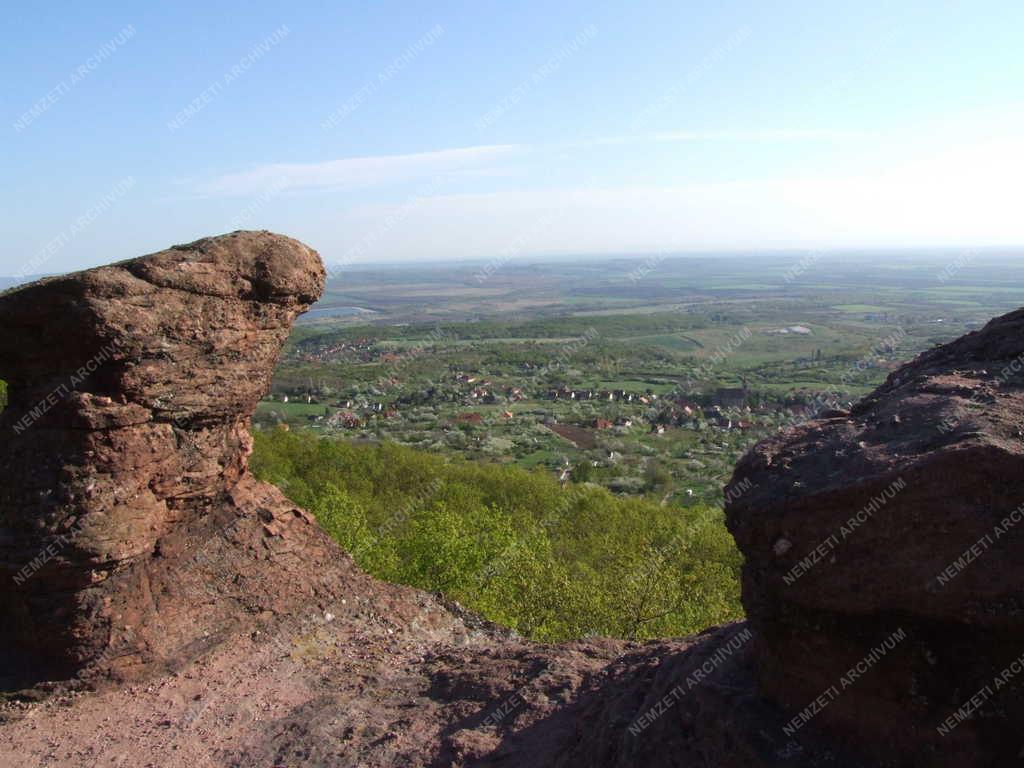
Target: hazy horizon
(966,259)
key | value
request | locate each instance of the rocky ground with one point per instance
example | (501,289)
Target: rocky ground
(357,690)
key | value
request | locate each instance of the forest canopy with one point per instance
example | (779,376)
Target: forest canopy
(549,561)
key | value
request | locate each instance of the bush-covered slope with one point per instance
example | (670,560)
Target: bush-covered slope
(551,562)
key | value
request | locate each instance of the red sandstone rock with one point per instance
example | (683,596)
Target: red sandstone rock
(132,534)
(855,530)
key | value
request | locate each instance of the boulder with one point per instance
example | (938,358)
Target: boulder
(881,559)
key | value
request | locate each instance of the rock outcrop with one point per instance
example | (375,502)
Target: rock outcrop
(131,533)
(882,549)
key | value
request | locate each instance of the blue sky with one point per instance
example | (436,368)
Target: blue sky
(414,131)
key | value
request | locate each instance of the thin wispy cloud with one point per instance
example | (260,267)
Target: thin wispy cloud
(948,180)
(812,134)
(479,161)
(799,134)
(948,193)
(362,172)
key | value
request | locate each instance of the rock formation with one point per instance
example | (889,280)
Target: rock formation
(886,541)
(884,615)
(131,532)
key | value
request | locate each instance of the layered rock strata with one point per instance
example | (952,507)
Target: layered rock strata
(131,532)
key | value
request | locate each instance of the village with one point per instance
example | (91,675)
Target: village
(655,404)
(648,438)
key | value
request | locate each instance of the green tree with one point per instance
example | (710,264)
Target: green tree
(582,471)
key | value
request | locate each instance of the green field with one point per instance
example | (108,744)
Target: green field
(440,346)
(858,308)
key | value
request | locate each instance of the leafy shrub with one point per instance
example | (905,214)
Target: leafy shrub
(552,563)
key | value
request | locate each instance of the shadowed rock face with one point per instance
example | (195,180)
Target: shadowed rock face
(126,438)
(862,526)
